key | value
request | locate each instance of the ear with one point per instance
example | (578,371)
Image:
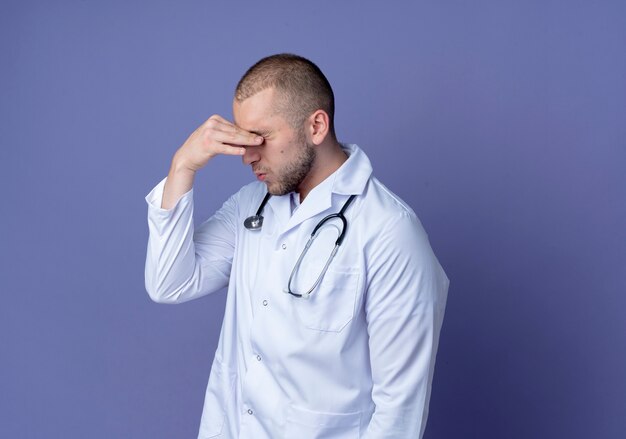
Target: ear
(318,126)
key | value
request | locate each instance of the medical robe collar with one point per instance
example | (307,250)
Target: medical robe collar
(353,174)
(349,179)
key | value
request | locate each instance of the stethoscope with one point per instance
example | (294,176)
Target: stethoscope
(255,222)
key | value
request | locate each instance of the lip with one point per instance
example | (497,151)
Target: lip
(260,177)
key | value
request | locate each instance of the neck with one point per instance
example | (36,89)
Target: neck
(328,159)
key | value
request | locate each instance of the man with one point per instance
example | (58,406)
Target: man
(311,346)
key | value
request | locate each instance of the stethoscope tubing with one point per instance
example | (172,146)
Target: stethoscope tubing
(256,222)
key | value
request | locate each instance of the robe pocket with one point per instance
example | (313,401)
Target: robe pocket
(307,424)
(331,304)
(218,396)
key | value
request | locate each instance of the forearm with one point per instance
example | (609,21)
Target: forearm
(182,262)
(170,258)
(179,181)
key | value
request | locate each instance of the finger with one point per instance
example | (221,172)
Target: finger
(217,122)
(235,134)
(232,128)
(231,150)
(237,137)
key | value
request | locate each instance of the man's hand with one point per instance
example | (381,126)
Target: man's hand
(215,136)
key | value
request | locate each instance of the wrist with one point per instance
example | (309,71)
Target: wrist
(180,166)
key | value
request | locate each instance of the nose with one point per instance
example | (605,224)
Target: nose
(251,155)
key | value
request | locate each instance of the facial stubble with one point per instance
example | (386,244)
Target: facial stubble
(294,173)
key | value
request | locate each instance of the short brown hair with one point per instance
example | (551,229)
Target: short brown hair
(302,87)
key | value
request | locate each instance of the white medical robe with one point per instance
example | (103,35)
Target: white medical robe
(356,359)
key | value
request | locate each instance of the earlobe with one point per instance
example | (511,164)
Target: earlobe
(319,126)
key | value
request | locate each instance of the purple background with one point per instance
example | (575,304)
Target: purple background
(503,124)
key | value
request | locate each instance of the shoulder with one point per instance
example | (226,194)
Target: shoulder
(395,236)
(379,195)
(385,220)
(384,207)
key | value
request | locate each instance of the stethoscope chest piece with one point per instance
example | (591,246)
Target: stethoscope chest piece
(254,222)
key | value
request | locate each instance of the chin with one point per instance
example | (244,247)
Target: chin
(276,193)
(277,190)
(272,189)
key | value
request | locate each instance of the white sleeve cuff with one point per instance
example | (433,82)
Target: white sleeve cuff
(155,198)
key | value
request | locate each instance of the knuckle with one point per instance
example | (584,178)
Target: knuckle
(211,124)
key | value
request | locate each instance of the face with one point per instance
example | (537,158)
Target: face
(284,159)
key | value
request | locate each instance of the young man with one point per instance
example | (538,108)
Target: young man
(335,341)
